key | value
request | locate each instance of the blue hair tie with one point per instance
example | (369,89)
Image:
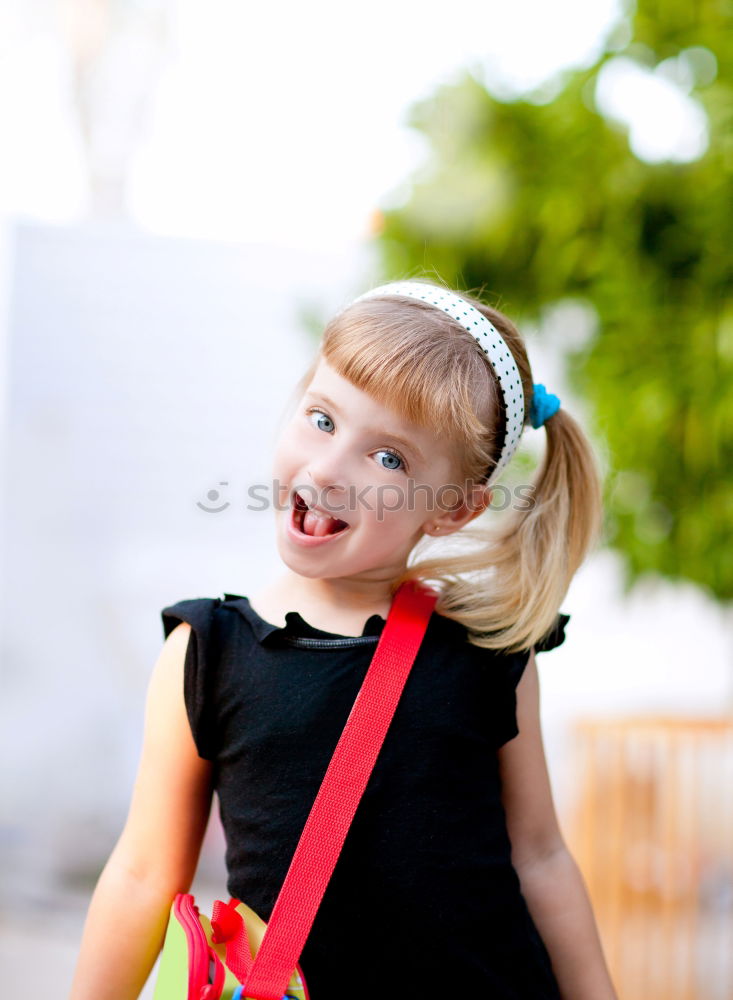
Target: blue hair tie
(544,404)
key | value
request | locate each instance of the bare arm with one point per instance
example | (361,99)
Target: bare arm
(551,881)
(158,849)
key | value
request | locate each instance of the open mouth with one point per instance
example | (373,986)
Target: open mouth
(311,522)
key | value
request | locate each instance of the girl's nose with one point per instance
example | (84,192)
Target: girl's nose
(328,471)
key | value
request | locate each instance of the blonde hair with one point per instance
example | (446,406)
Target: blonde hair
(506,588)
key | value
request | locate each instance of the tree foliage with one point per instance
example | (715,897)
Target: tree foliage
(534,203)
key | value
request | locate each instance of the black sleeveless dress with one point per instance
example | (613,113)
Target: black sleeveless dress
(424,900)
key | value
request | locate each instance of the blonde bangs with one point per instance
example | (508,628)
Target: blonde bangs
(421,364)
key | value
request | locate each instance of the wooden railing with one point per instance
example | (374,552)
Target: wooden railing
(652,832)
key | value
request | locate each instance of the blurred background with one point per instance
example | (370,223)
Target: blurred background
(187,192)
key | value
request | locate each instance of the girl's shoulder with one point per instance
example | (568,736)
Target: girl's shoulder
(207,616)
(509,666)
(198,612)
(555,636)
(215,632)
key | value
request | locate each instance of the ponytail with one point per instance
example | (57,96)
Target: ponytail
(507,588)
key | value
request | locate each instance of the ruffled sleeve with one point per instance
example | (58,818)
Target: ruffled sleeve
(516,663)
(202,655)
(554,637)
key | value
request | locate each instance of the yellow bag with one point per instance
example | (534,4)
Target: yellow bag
(195,962)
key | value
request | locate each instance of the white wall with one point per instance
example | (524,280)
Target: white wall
(142,372)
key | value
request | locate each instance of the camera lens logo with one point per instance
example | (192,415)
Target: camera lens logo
(212,496)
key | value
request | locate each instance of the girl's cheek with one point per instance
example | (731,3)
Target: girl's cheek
(290,445)
(281,496)
(393,501)
(297,440)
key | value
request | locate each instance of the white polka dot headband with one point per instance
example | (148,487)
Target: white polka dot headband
(493,345)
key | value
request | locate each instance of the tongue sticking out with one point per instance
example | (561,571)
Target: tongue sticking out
(314,524)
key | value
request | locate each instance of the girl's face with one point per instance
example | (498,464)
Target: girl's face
(382,478)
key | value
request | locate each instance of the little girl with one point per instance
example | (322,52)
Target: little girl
(454,879)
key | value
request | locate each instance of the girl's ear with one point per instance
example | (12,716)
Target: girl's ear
(478,501)
(474,504)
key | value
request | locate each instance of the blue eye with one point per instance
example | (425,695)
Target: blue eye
(393,455)
(322,416)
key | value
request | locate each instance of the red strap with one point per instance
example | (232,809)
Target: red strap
(228,927)
(338,797)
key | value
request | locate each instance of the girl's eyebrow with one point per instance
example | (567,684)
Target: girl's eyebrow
(376,432)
